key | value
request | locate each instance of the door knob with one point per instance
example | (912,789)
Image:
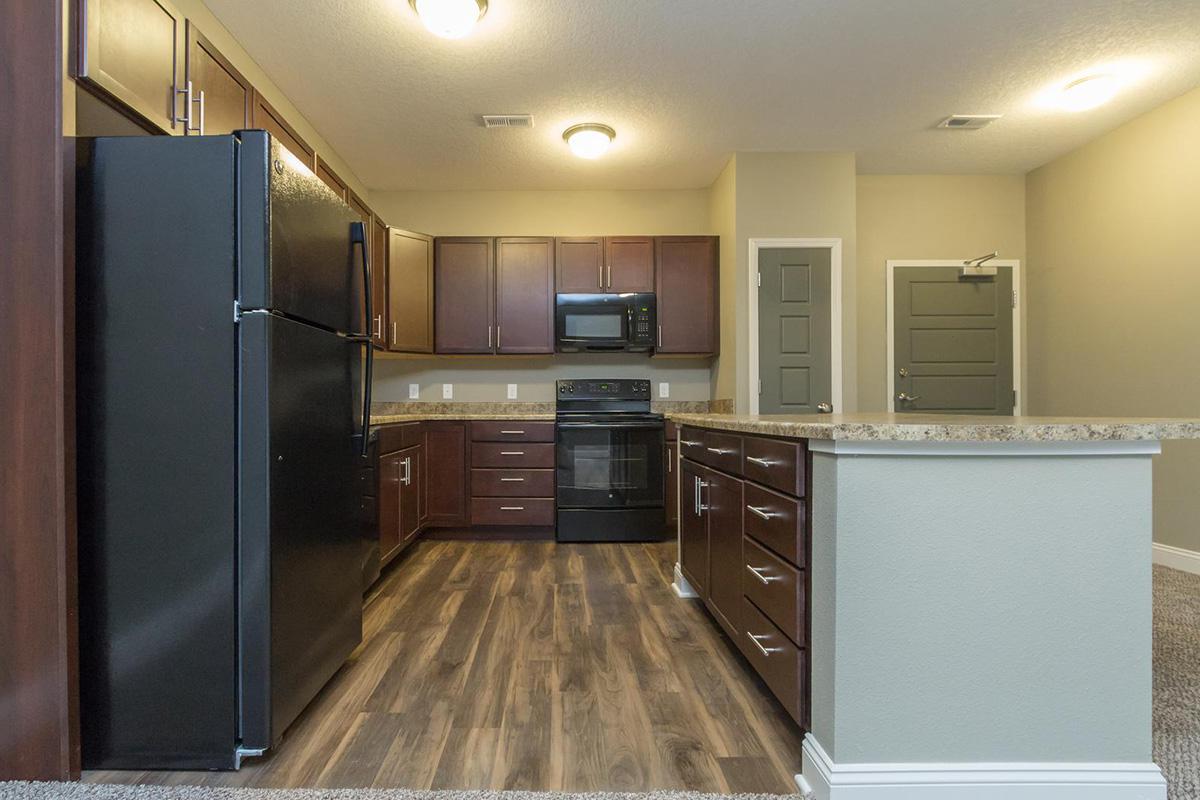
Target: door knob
(904,372)
(824,408)
(904,397)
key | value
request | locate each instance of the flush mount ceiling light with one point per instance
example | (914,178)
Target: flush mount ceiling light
(450,19)
(1088,92)
(589,140)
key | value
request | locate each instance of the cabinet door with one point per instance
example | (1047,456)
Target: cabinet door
(525,295)
(410,493)
(410,292)
(133,49)
(446,470)
(722,499)
(465,281)
(264,116)
(222,94)
(389,475)
(693,528)
(686,284)
(379,283)
(331,179)
(629,264)
(579,264)
(672,478)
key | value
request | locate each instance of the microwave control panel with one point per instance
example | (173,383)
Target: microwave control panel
(641,324)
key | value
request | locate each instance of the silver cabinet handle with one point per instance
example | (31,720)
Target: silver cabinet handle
(718,451)
(512,480)
(489,337)
(513,433)
(766,651)
(762,462)
(512,452)
(701,507)
(608,284)
(512,508)
(201,112)
(395,336)
(760,512)
(601,276)
(696,497)
(669,460)
(689,443)
(188,101)
(497,337)
(660,335)
(758,573)
(379,326)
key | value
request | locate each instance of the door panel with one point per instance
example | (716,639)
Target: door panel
(686,283)
(954,341)
(410,493)
(579,265)
(629,264)
(446,470)
(693,528)
(410,292)
(794,339)
(723,501)
(525,295)
(464,277)
(227,94)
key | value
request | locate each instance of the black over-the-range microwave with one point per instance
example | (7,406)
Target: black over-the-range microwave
(598,322)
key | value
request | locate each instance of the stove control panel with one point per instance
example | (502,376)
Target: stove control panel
(615,389)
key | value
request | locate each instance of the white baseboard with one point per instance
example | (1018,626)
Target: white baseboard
(1177,558)
(682,588)
(978,781)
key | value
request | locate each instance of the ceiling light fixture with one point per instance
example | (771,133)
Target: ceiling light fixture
(589,140)
(450,19)
(1088,92)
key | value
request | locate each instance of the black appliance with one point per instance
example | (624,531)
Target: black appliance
(223,392)
(610,454)
(605,322)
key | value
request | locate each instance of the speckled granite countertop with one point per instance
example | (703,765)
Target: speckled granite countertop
(947,428)
(420,411)
(391,419)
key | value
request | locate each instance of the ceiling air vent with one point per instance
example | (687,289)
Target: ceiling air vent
(507,120)
(968,122)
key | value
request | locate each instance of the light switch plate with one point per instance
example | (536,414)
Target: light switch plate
(447,391)
(512,391)
(414,391)
(664,390)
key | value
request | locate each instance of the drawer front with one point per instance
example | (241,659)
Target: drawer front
(722,451)
(512,483)
(398,436)
(512,431)
(773,463)
(776,588)
(691,442)
(527,455)
(777,660)
(512,511)
(777,521)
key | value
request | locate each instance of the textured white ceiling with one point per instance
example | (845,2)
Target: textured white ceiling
(688,82)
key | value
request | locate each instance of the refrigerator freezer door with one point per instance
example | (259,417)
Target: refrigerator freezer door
(301,541)
(297,257)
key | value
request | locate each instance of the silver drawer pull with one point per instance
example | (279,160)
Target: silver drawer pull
(687,443)
(513,480)
(513,433)
(758,573)
(718,451)
(766,651)
(762,513)
(762,462)
(512,508)
(512,452)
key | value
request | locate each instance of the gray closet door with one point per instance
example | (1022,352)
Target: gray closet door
(794,331)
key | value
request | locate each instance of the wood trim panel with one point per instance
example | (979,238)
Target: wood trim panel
(198,41)
(38,658)
(267,118)
(327,174)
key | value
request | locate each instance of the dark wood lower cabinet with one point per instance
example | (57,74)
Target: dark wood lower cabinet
(693,526)
(389,505)
(671,462)
(722,504)
(446,444)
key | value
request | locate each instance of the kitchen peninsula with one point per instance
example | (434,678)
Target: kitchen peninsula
(974,593)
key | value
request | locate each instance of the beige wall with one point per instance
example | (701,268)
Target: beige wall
(722,211)
(1114,290)
(925,216)
(541,213)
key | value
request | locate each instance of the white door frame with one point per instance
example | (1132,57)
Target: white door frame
(891,324)
(834,246)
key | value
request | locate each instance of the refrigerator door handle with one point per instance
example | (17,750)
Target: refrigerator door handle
(358,236)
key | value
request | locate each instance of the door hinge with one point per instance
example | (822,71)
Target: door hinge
(760,386)
(760,279)
(1014,399)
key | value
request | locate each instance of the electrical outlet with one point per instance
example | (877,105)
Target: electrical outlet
(664,390)
(414,391)
(447,391)
(512,391)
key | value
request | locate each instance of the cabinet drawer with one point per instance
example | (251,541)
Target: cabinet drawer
(512,483)
(512,431)
(512,511)
(775,587)
(722,451)
(691,442)
(777,464)
(776,521)
(777,660)
(399,436)
(518,454)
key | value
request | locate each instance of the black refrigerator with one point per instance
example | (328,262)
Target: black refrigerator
(222,395)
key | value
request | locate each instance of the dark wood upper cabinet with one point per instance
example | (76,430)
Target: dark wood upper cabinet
(379,282)
(222,96)
(265,116)
(525,295)
(331,179)
(629,264)
(688,299)
(410,291)
(464,280)
(579,264)
(131,50)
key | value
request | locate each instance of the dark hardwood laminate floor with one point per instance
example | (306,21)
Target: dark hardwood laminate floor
(531,665)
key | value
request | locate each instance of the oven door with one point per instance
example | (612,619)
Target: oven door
(591,322)
(610,464)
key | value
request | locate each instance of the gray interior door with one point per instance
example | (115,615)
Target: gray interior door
(953,341)
(794,340)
